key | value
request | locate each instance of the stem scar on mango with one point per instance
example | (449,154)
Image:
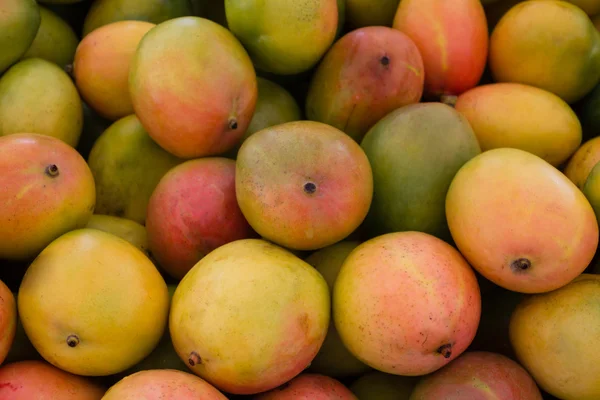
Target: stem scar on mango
(194,359)
(385,61)
(72,340)
(310,188)
(52,170)
(445,350)
(233,124)
(520,265)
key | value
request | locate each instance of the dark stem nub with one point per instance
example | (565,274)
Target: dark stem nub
(520,265)
(449,99)
(233,124)
(310,188)
(194,359)
(69,69)
(445,350)
(385,61)
(72,340)
(52,170)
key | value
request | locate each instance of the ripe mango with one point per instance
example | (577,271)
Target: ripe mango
(415,151)
(583,161)
(93,304)
(104,12)
(8,320)
(37,96)
(591,189)
(102,64)
(27,380)
(528,46)
(127,165)
(309,387)
(276,34)
(377,385)
(523,117)
(55,40)
(162,384)
(19,23)
(361,13)
(273,306)
(554,335)
(478,375)
(454,58)
(406,303)
(313,189)
(520,222)
(195,96)
(365,75)
(129,230)
(47,190)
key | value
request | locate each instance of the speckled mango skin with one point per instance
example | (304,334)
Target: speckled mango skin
(193,87)
(454,58)
(310,387)
(554,335)
(365,75)
(162,383)
(250,315)
(400,299)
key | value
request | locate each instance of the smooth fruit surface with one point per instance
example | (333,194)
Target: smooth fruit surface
(19,23)
(127,229)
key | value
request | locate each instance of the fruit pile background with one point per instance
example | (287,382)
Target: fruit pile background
(299,199)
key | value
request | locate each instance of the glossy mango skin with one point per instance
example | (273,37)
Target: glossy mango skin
(454,58)
(528,46)
(522,117)
(365,75)
(520,222)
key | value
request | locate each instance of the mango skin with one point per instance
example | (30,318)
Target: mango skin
(163,383)
(19,23)
(276,33)
(366,74)
(37,96)
(406,303)
(414,152)
(583,161)
(127,165)
(273,195)
(104,12)
(520,222)
(523,48)
(591,189)
(8,320)
(478,375)
(192,211)
(102,64)
(38,207)
(553,333)
(454,58)
(103,290)
(361,13)
(273,306)
(523,117)
(310,387)
(129,230)
(193,87)
(377,385)
(28,380)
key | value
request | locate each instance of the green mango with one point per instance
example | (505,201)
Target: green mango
(19,23)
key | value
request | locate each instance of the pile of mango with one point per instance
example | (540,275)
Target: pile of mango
(299,199)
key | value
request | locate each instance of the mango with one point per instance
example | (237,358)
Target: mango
(37,96)
(93,304)
(528,46)
(415,151)
(195,96)
(19,23)
(553,335)
(165,383)
(591,189)
(8,320)
(47,190)
(310,387)
(129,230)
(28,380)
(333,359)
(454,58)
(377,385)
(523,117)
(583,161)
(520,222)
(55,40)
(104,12)
(273,306)
(478,375)
(276,34)
(127,165)
(361,13)
(406,303)
(192,211)
(102,64)
(314,190)
(365,75)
